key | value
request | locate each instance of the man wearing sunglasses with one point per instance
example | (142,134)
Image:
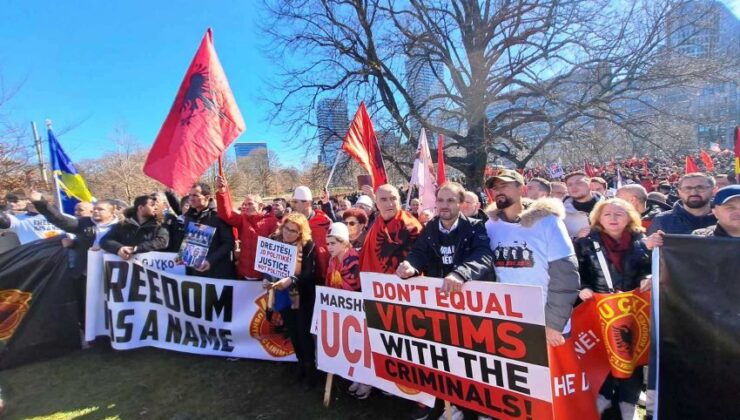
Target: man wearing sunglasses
(693,210)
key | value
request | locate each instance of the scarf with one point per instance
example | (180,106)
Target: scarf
(388,243)
(344,272)
(102,228)
(616,249)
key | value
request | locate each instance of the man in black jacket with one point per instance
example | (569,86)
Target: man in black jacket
(139,232)
(218,262)
(87,230)
(451,246)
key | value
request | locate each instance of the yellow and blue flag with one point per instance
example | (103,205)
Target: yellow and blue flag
(70,185)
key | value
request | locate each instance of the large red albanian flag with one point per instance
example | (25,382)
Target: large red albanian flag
(361,144)
(202,123)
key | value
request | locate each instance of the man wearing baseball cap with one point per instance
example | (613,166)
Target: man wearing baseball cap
(727,211)
(531,246)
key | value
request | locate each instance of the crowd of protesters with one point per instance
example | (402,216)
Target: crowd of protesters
(575,236)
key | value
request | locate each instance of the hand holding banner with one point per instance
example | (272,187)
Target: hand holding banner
(274,258)
(482,348)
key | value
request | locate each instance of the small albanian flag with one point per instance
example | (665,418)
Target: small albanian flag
(202,123)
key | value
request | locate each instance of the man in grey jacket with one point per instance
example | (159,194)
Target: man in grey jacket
(531,246)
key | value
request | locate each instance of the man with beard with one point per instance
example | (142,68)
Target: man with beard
(218,262)
(552,262)
(140,231)
(278,210)
(579,203)
(390,238)
(693,210)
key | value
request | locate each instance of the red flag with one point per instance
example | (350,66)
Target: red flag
(202,123)
(362,144)
(645,167)
(441,176)
(588,169)
(707,160)
(690,165)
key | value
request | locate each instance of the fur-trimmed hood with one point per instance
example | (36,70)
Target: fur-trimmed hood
(534,210)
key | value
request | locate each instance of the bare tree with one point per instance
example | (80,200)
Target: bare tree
(119,174)
(502,68)
(17,170)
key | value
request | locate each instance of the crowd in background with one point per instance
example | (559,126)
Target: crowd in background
(574,234)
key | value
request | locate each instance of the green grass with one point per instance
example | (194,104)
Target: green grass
(158,384)
(150,383)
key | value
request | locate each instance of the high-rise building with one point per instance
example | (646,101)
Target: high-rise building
(703,28)
(707,29)
(332,122)
(246,149)
(423,82)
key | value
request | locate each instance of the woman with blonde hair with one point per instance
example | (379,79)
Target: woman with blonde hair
(296,231)
(613,258)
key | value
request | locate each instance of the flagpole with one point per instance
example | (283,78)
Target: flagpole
(54,178)
(331,173)
(40,154)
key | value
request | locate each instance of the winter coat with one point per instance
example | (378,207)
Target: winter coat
(575,220)
(219,252)
(652,209)
(712,231)
(472,259)
(148,236)
(679,221)
(250,228)
(636,264)
(320,224)
(83,228)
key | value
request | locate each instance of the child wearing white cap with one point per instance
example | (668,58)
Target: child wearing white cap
(344,262)
(344,273)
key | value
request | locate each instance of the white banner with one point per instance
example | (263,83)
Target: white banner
(482,348)
(275,258)
(138,305)
(343,346)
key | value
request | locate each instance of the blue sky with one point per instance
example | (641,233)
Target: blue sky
(104,64)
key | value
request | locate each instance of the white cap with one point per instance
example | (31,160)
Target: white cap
(339,231)
(366,200)
(302,193)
